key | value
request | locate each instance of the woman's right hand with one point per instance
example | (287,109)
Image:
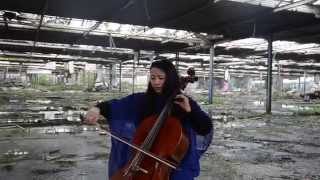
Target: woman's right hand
(92,116)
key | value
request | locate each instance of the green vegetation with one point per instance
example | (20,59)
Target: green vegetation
(61,87)
(127,87)
(203,98)
(315,110)
(47,82)
(43,80)
(3,100)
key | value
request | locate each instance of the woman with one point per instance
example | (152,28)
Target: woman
(125,114)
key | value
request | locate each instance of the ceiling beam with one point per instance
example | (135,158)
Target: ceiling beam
(61,50)
(56,58)
(44,9)
(95,40)
(293,5)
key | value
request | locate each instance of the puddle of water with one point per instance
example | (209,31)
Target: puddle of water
(66,129)
(69,115)
(39,101)
(12,156)
(6,113)
(294,107)
(258,103)
(73,115)
(223,118)
(51,115)
(16,152)
(242,124)
(11,121)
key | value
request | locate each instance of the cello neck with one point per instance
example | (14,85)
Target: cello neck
(158,124)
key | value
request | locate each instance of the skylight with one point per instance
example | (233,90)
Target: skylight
(54,23)
(306,6)
(258,44)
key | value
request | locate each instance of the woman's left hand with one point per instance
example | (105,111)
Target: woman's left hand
(183,102)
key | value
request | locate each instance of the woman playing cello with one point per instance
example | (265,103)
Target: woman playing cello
(124,116)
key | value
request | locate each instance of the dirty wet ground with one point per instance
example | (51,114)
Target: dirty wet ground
(247,143)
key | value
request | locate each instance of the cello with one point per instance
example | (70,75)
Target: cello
(163,137)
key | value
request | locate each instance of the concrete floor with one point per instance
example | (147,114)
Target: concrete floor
(247,144)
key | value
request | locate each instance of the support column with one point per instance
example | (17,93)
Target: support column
(280,82)
(316,78)
(177,62)
(20,70)
(113,75)
(304,85)
(299,85)
(110,77)
(22,75)
(120,75)
(211,79)
(135,59)
(269,76)
(226,85)
(77,78)
(6,72)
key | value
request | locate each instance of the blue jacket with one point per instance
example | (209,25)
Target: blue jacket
(123,120)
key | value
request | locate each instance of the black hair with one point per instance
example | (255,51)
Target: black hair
(171,85)
(172,81)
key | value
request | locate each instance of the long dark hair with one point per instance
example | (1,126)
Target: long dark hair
(172,82)
(171,85)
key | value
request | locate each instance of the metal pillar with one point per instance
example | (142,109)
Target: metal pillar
(279,77)
(20,70)
(120,74)
(135,59)
(299,84)
(22,73)
(304,84)
(280,80)
(6,72)
(211,79)
(316,78)
(269,76)
(177,62)
(110,76)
